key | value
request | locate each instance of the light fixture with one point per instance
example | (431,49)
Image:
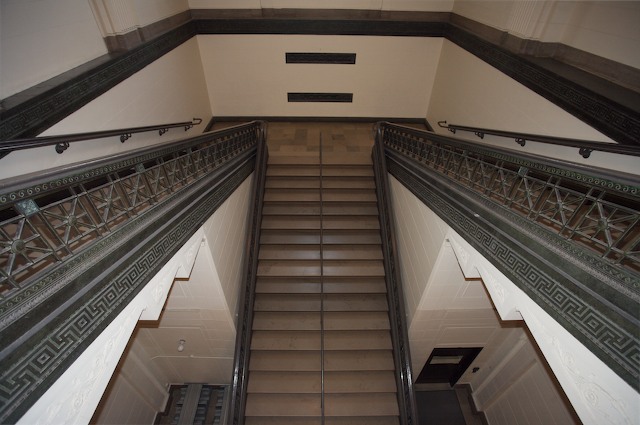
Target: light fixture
(181,345)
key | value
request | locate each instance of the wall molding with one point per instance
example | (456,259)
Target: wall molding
(28,113)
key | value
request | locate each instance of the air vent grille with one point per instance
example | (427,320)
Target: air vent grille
(322,58)
(320,97)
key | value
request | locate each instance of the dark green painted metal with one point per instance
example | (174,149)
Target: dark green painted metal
(594,298)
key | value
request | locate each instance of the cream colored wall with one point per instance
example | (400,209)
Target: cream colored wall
(247,75)
(519,388)
(201,309)
(150,11)
(445,309)
(40,39)
(226,233)
(468,91)
(136,394)
(171,89)
(605,28)
(416,5)
(421,231)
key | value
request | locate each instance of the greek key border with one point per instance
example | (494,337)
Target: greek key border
(599,328)
(37,363)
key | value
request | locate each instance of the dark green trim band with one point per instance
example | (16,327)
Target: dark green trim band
(51,102)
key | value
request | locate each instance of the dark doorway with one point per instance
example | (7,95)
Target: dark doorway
(447,365)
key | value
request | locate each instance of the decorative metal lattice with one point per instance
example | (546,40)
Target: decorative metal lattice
(43,224)
(594,212)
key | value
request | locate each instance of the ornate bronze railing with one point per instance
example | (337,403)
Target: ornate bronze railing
(395,296)
(82,240)
(567,235)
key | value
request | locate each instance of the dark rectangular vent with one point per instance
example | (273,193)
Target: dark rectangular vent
(328,58)
(320,97)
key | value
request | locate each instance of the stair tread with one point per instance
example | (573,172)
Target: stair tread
(289,320)
(287,302)
(375,381)
(285,340)
(283,404)
(311,284)
(357,340)
(354,320)
(361,420)
(289,268)
(281,420)
(286,382)
(352,360)
(284,360)
(368,404)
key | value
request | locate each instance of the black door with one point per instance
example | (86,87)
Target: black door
(447,365)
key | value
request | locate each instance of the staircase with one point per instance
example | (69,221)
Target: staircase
(321,350)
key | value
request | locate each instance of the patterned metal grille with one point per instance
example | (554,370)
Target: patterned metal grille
(38,232)
(591,211)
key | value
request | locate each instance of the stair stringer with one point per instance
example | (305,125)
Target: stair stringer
(597,393)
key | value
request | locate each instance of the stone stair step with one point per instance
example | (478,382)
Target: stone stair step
(356,302)
(357,340)
(356,182)
(354,284)
(378,381)
(286,382)
(287,302)
(291,208)
(356,320)
(351,252)
(280,420)
(292,285)
(293,170)
(288,268)
(288,320)
(350,222)
(290,252)
(295,237)
(350,195)
(349,208)
(285,340)
(347,170)
(351,237)
(361,420)
(291,195)
(274,360)
(352,360)
(369,404)
(353,268)
(298,182)
(290,222)
(283,404)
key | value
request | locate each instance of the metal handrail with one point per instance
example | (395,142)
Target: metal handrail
(247,292)
(62,141)
(585,147)
(393,281)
